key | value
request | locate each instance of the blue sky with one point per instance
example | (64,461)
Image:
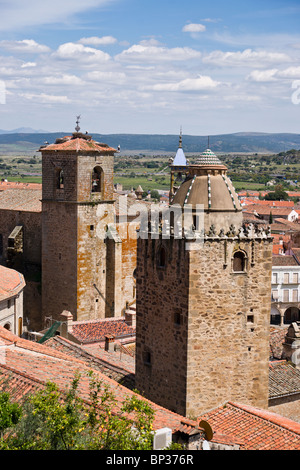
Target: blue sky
(137,66)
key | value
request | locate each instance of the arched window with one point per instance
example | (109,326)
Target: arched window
(162,257)
(97,180)
(239,261)
(59,178)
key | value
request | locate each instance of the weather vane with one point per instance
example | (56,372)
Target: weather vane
(77,128)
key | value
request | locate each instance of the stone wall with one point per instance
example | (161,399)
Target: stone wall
(59,258)
(31,222)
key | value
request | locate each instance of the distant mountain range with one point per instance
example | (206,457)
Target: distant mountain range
(242,142)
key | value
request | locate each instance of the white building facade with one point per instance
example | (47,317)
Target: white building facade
(285,290)
(11,300)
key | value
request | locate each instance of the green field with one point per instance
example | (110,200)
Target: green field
(248,172)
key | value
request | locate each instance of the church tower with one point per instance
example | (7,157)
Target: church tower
(79,263)
(203,299)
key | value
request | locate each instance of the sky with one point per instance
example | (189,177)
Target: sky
(150,66)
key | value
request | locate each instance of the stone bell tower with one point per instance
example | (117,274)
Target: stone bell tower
(78,261)
(203,299)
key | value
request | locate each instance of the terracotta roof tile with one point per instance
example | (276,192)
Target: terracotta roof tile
(78,143)
(33,365)
(257,429)
(284,260)
(11,282)
(27,200)
(284,379)
(95,330)
(4,185)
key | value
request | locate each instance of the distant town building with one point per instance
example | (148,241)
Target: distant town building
(285,290)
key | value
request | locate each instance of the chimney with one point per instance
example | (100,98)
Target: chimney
(109,343)
(67,320)
(130,317)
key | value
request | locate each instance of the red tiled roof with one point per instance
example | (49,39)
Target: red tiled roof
(284,379)
(78,143)
(284,260)
(4,185)
(256,429)
(96,330)
(28,372)
(277,336)
(11,282)
(25,200)
(261,202)
(262,209)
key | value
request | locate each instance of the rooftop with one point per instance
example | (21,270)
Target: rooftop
(284,379)
(29,366)
(78,142)
(284,260)
(4,185)
(24,199)
(96,330)
(11,282)
(253,428)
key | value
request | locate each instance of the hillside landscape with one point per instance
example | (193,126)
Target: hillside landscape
(243,142)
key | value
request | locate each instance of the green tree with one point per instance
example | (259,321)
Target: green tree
(52,420)
(155,195)
(10,413)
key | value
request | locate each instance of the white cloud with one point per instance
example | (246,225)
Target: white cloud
(79,52)
(96,41)
(28,64)
(290,72)
(189,84)
(20,14)
(106,76)
(26,46)
(270,75)
(263,75)
(65,79)
(44,98)
(247,57)
(144,53)
(194,28)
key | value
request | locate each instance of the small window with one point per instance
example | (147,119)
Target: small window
(177,317)
(239,262)
(162,257)
(147,358)
(286,295)
(250,319)
(59,178)
(97,178)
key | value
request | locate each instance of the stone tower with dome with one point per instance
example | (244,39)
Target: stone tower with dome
(203,298)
